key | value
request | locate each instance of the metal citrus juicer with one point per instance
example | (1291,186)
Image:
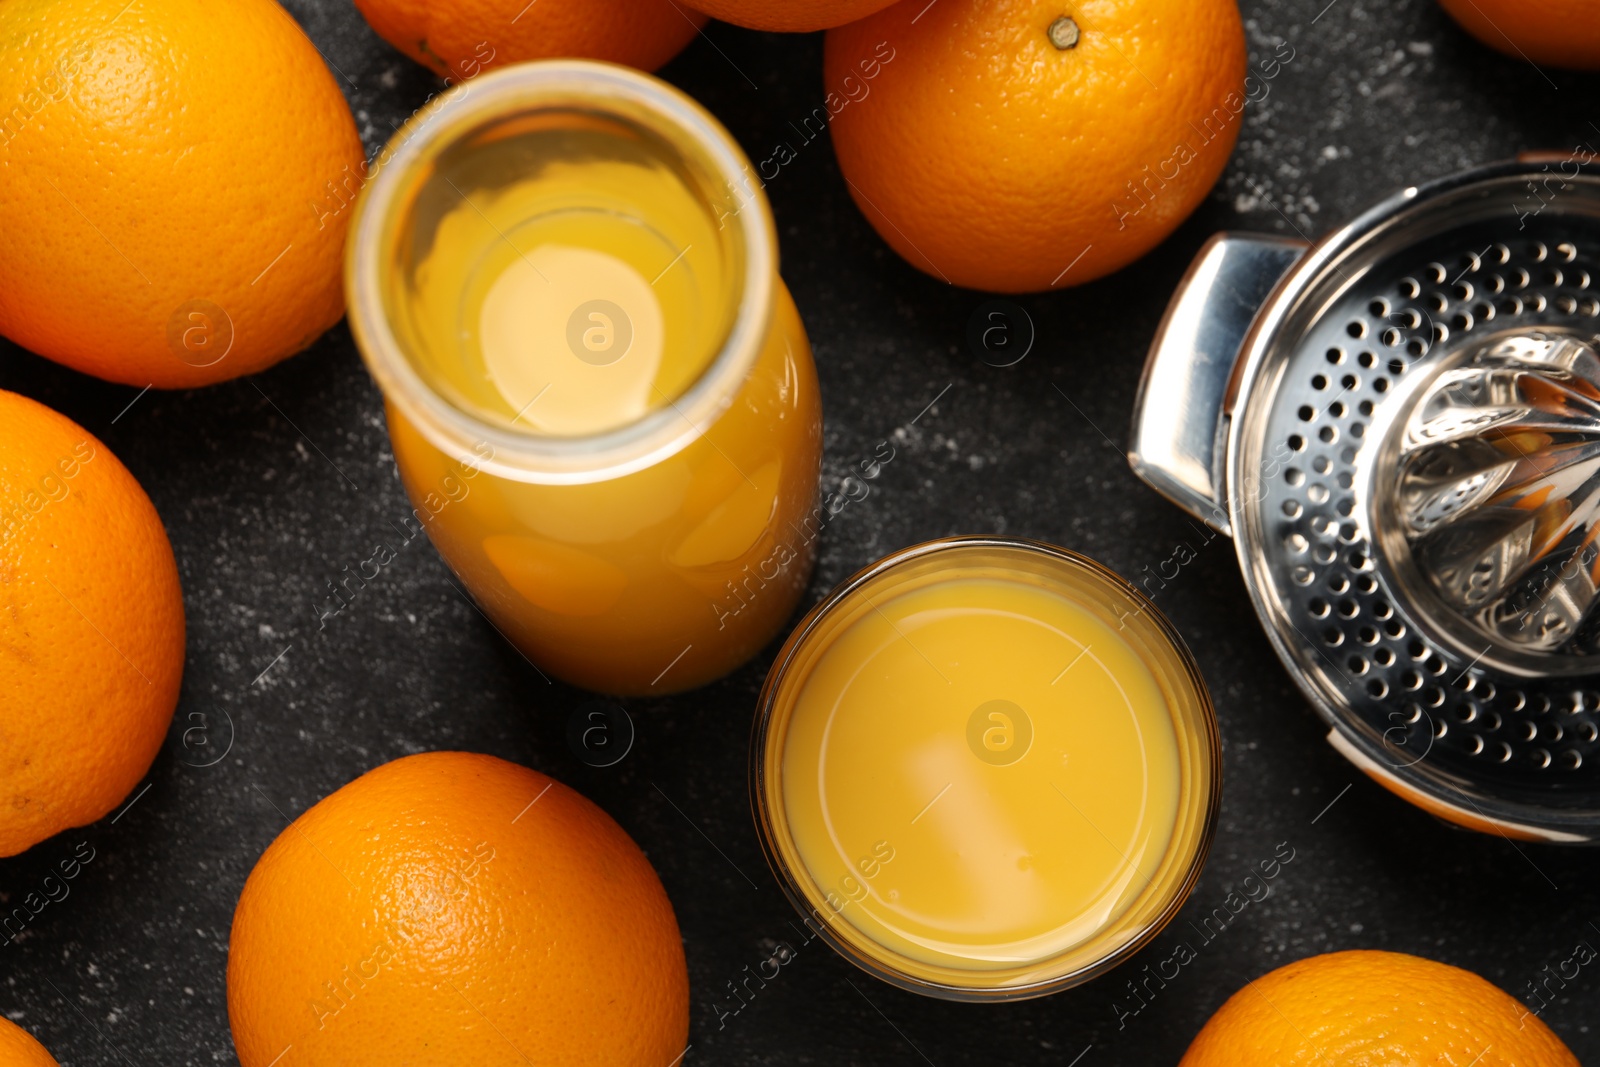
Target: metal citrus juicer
(1399,427)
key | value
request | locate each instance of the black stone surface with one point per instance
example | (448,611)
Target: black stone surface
(129,968)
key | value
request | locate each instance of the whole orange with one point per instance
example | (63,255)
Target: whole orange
(791,16)
(177,180)
(1374,1009)
(91,626)
(1004,145)
(19,1049)
(458,40)
(1557,33)
(449,909)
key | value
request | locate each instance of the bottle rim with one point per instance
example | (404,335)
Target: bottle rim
(516,91)
(950,982)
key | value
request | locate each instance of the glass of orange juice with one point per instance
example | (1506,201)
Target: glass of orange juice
(985,769)
(601,399)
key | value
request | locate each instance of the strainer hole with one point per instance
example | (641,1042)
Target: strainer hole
(1539,251)
(1317,493)
(1367,359)
(1337,409)
(1346,505)
(1495,285)
(1321,465)
(1437,273)
(1397,367)
(1433,663)
(1292,509)
(1440,728)
(1502,752)
(1589,732)
(1492,722)
(1307,413)
(1553,731)
(1417,650)
(1356,329)
(1319,381)
(1379,308)
(1568,250)
(1462,321)
(1319,607)
(1324,554)
(1381,385)
(1409,288)
(1335,355)
(1294,476)
(1528,730)
(1328,435)
(1367,635)
(1377,688)
(1345,479)
(1441,332)
(1333,637)
(1359,561)
(1484,310)
(1520,278)
(1349,533)
(1349,608)
(1474,745)
(1555,277)
(1381,608)
(1383,657)
(1566,305)
(1350,382)
(1434,696)
(1486,689)
(1357,664)
(1438,301)
(1366,583)
(1571,760)
(1411,680)
(1465,712)
(1540,758)
(1338,583)
(1297,443)
(1502,254)
(1303,575)
(1465,291)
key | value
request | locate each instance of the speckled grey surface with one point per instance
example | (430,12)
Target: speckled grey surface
(128,969)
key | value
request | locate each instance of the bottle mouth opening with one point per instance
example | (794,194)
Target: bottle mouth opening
(456,270)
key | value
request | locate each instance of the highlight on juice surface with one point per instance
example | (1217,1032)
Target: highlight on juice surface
(985,769)
(600,395)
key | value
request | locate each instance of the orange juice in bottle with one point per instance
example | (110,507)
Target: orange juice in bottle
(601,399)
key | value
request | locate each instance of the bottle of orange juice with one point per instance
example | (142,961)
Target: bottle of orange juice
(601,399)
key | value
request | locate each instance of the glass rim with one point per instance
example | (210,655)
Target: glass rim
(883,966)
(520,89)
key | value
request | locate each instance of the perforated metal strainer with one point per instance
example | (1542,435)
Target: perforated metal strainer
(1400,428)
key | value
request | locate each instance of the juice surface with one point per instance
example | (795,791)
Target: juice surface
(574,282)
(985,773)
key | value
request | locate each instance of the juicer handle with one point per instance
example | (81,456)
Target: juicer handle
(1179,433)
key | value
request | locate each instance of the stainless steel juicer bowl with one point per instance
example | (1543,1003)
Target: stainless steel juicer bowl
(1399,426)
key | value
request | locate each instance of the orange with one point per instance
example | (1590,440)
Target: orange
(19,1049)
(1556,33)
(1374,1009)
(175,180)
(1004,145)
(451,909)
(461,39)
(791,16)
(91,627)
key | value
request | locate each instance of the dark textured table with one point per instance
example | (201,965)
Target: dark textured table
(129,968)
